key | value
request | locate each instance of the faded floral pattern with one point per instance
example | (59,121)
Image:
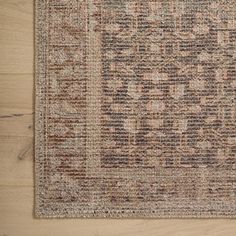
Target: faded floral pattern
(136,112)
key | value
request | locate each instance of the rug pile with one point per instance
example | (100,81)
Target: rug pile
(135,108)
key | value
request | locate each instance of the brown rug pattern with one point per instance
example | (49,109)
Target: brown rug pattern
(135,108)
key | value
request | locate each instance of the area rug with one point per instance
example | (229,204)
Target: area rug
(135,112)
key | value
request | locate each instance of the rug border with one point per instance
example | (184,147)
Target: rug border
(38,122)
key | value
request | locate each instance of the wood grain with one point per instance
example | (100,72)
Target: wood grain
(16,41)
(16,150)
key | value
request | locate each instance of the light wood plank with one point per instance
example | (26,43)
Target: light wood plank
(16,36)
(16,91)
(16,122)
(16,155)
(16,105)
(16,220)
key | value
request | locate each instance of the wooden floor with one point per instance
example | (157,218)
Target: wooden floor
(16,149)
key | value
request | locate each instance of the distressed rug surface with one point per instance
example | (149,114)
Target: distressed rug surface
(135,108)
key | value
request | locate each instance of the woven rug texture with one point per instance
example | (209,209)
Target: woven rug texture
(135,110)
